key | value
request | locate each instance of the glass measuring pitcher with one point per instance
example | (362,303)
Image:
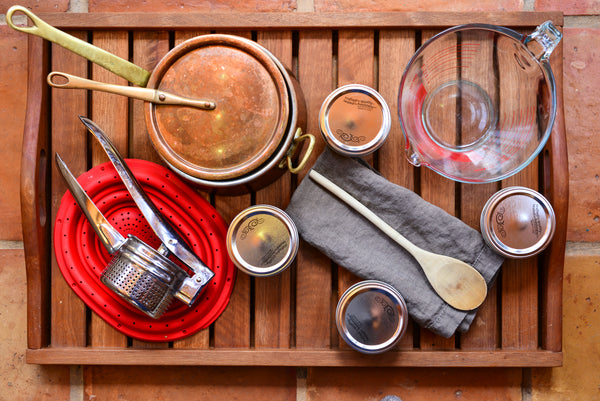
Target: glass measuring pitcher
(477,102)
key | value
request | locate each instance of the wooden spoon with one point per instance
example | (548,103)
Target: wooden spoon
(456,282)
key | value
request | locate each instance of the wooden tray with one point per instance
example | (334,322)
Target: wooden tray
(287,319)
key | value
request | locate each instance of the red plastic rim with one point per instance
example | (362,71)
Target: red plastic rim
(82,258)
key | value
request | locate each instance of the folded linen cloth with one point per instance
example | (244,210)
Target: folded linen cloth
(353,242)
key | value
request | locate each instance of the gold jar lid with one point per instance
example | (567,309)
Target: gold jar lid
(354,120)
(262,240)
(371,316)
(518,222)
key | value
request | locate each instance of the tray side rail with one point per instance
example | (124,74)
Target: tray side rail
(35,205)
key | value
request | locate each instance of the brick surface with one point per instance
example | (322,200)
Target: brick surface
(576,7)
(37,6)
(579,378)
(13,91)
(190,383)
(417,5)
(18,380)
(414,384)
(190,6)
(582,118)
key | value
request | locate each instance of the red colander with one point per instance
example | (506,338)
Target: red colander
(82,258)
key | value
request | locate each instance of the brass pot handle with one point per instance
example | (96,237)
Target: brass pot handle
(96,55)
(296,146)
(63,80)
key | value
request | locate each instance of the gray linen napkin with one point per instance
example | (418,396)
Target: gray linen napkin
(353,242)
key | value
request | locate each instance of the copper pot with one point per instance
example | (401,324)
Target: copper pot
(240,154)
(250,136)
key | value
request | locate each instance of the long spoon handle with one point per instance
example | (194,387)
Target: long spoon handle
(366,213)
(67,81)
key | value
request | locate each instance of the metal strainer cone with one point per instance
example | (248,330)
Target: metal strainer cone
(147,284)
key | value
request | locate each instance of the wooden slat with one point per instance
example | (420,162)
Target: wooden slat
(355,66)
(483,333)
(110,112)
(68,139)
(233,327)
(439,191)
(313,273)
(519,277)
(272,295)
(200,339)
(181,36)
(308,357)
(355,57)
(148,49)
(300,21)
(520,285)
(396,47)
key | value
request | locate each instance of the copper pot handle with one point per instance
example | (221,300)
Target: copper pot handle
(96,55)
(63,80)
(296,146)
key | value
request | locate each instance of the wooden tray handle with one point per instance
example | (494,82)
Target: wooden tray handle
(35,206)
(556,188)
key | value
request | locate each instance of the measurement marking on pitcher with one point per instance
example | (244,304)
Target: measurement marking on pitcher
(446,72)
(452,50)
(450,54)
(437,66)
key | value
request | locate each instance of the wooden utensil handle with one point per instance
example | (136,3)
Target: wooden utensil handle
(366,213)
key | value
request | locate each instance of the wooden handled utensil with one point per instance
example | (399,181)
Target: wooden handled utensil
(456,282)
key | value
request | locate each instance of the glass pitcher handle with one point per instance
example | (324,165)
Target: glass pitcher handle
(547,36)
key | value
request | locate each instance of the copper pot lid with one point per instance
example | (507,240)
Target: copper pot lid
(251,114)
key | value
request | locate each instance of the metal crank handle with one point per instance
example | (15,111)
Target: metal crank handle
(109,236)
(161,227)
